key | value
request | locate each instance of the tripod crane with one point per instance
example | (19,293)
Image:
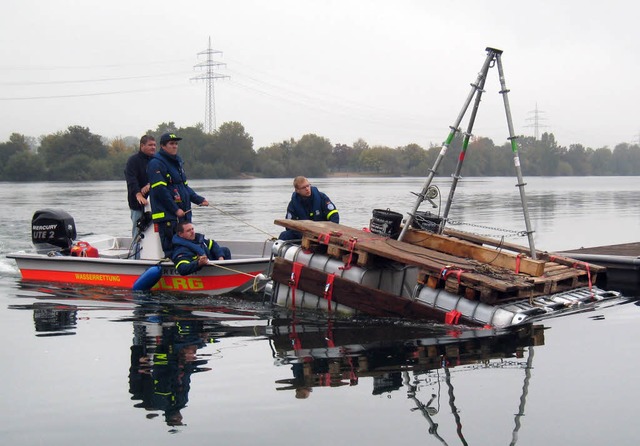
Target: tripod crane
(494,58)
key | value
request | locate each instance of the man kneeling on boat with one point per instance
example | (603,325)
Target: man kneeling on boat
(191,251)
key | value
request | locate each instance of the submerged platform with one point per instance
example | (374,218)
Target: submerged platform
(452,276)
(478,267)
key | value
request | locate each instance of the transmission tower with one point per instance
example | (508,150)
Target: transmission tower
(209,76)
(536,124)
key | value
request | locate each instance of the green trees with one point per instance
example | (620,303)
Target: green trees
(76,154)
(310,156)
(226,153)
(17,162)
(72,155)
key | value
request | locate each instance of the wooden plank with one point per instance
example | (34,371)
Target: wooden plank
(542,255)
(463,248)
(406,253)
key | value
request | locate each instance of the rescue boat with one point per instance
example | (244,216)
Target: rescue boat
(111,262)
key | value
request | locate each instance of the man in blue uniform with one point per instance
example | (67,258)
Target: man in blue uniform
(308,203)
(171,196)
(191,251)
(135,173)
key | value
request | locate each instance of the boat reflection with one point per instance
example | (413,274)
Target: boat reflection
(173,340)
(417,360)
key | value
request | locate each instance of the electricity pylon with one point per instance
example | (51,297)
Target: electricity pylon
(209,75)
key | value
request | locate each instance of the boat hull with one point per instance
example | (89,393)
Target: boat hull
(217,277)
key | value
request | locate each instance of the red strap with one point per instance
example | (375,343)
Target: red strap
(352,245)
(447,271)
(328,290)
(452,317)
(325,379)
(330,342)
(586,266)
(295,340)
(296,270)
(324,238)
(353,378)
(518,257)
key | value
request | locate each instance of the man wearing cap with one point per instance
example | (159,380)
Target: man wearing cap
(171,196)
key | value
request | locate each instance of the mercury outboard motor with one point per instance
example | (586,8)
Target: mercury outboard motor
(52,230)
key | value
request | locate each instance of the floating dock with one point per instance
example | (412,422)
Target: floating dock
(622,264)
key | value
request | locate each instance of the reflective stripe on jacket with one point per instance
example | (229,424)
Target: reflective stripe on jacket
(169,188)
(318,207)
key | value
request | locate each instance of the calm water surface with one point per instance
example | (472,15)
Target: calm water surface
(89,365)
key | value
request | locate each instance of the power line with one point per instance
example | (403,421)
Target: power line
(210,75)
(82,81)
(80,95)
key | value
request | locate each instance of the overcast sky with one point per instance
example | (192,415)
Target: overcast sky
(390,72)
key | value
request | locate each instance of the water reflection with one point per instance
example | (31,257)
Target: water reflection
(164,355)
(411,359)
(171,341)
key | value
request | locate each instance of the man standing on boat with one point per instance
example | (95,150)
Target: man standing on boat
(135,173)
(171,196)
(308,203)
(191,251)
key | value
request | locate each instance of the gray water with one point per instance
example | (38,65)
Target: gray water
(75,366)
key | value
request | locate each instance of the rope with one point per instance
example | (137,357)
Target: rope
(273,237)
(232,270)
(256,277)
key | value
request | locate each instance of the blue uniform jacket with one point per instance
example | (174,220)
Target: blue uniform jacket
(318,207)
(186,252)
(169,188)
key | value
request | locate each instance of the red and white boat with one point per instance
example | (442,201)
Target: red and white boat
(107,261)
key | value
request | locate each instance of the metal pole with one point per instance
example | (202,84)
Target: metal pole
(445,146)
(465,142)
(514,149)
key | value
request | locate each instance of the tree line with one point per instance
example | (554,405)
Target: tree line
(76,154)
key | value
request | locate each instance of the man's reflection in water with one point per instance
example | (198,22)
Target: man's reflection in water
(163,357)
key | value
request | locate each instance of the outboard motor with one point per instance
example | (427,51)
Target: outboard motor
(52,230)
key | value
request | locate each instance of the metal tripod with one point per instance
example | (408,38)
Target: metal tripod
(493,59)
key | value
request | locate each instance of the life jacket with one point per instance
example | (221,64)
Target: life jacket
(197,247)
(300,212)
(83,249)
